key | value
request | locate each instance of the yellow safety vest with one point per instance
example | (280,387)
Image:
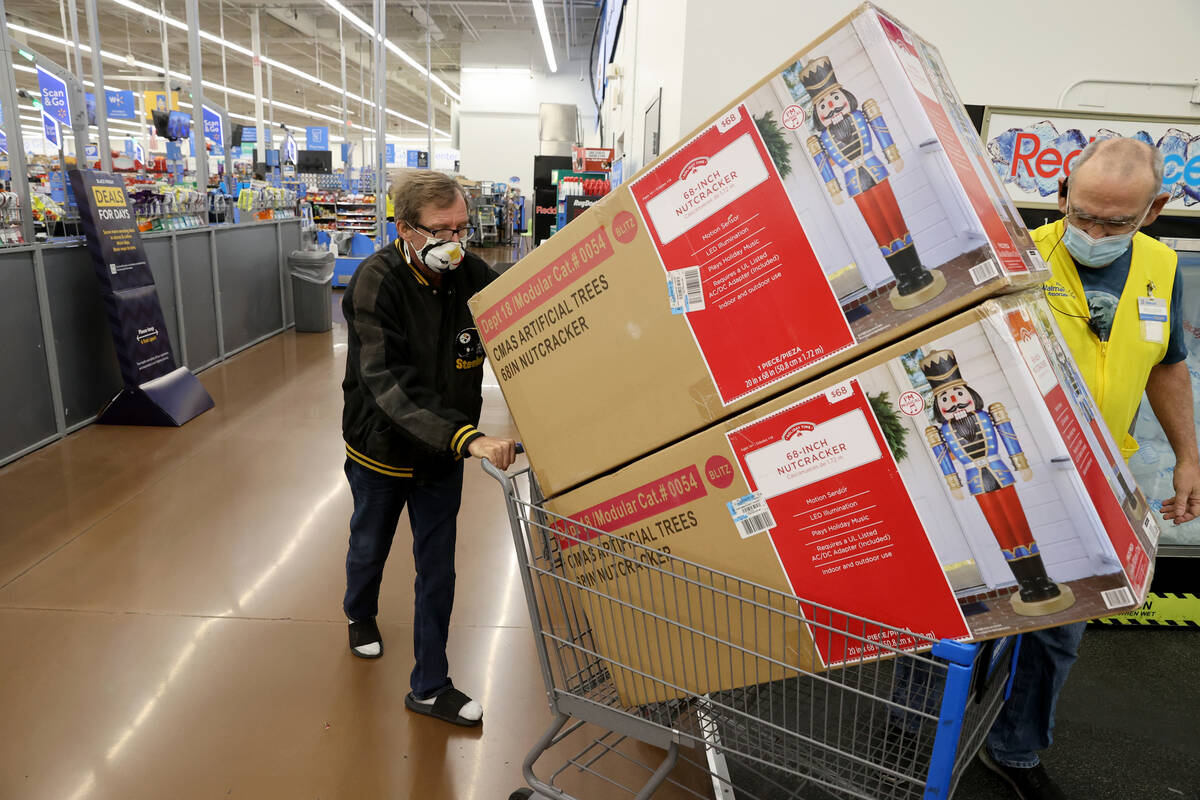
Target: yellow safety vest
(1115,371)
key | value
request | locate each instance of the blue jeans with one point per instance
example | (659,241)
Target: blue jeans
(1026,722)
(432,512)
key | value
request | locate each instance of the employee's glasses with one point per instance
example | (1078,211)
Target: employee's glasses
(463,233)
(1108,227)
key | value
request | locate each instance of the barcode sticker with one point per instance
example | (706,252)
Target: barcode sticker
(1151,529)
(984,272)
(1035,259)
(1117,598)
(685,290)
(751,515)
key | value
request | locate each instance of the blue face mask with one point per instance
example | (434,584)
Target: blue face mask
(1099,252)
(1095,252)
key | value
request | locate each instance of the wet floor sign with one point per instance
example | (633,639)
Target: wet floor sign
(1167,609)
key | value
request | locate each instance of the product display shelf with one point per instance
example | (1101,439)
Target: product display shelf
(356,213)
(10,219)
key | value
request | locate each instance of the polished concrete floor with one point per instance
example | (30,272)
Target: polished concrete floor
(171,627)
(170,613)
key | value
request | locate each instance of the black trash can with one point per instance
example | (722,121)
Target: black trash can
(312,282)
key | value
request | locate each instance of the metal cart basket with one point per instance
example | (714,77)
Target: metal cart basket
(884,722)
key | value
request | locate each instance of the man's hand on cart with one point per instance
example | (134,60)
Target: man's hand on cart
(501,452)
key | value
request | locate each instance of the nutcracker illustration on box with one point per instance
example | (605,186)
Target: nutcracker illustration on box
(969,435)
(843,143)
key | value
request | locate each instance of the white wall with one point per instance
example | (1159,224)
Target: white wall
(498,117)
(650,56)
(1022,52)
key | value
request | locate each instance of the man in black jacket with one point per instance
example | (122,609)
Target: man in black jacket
(412,401)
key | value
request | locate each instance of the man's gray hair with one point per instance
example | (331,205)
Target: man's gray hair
(1126,157)
(416,190)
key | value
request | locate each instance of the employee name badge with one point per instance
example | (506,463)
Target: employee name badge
(1152,312)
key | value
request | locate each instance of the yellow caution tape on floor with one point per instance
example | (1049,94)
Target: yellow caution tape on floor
(1166,609)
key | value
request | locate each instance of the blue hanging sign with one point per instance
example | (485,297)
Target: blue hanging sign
(289,150)
(129,147)
(54,97)
(50,128)
(317,138)
(174,151)
(3,143)
(121,105)
(213,129)
(413,158)
(391,154)
(91,150)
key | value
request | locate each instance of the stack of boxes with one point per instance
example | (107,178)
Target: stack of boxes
(795,349)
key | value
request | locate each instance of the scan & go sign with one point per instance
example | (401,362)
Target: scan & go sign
(1031,149)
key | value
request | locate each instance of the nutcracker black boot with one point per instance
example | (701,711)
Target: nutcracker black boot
(1037,593)
(915,284)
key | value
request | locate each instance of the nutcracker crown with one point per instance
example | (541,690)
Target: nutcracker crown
(941,370)
(818,78)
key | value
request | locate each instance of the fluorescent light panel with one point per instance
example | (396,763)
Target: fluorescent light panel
(539,11)
(496,70)
(221,88)
(182,76)
(359,23)
(336,6)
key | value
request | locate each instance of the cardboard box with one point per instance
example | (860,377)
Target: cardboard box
(759,253)
(592,159)
(857,492)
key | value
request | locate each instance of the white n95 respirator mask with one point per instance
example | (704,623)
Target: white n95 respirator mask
(440,255)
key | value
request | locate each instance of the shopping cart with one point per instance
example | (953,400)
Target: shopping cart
(885,723)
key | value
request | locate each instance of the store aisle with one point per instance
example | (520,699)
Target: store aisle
(170,611)
(170,619)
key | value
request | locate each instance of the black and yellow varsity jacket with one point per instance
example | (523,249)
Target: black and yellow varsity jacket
(414,365)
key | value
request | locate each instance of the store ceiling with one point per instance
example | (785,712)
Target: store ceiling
(303,35)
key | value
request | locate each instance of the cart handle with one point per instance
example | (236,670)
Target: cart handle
(491,468)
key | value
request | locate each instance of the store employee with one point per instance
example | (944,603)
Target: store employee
(1116,297)
(414,368)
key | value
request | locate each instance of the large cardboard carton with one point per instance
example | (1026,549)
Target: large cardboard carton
(958,484)
(841,203)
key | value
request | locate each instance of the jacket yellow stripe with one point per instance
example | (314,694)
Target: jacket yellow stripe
(420,277)
(373,468)
(463,433)
(457,438)
(378,466)
(415,271)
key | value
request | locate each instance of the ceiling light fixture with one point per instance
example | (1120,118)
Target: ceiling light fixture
(496,70)
(341,9)
(359,23)
(539,11)
(182,76)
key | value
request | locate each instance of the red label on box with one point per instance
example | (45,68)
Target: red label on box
(651,499)
(739,263)
(993,226)
(846,531)
(591,251)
